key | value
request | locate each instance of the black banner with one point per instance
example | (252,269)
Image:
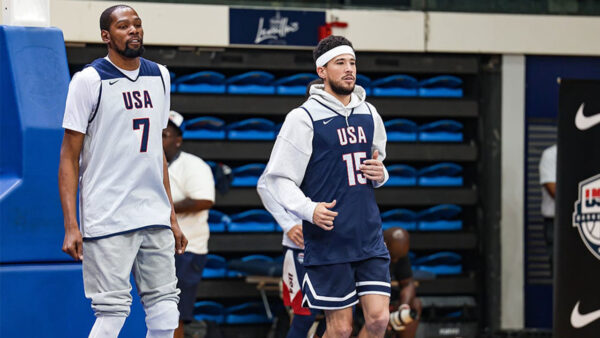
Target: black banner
(577,228)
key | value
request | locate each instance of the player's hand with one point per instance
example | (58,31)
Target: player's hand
(295,234)
(73,244)
(323,217)
(373,168)
(180,240)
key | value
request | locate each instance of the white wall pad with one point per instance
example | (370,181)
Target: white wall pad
(164,23)
(513,34)
(375,30)
(26,13)
(512,190)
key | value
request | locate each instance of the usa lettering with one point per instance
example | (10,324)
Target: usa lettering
(592,197)
(351,135)
(137,100)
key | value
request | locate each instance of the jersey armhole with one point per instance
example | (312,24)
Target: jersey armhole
(97,104)
(163,81)
(306,110)
(369,108)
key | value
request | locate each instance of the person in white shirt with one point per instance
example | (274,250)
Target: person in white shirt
(112,151)
(548,182)
(193,191)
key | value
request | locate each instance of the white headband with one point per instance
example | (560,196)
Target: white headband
(330,54)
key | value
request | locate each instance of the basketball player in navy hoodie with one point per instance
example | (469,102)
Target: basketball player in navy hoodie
(324,167)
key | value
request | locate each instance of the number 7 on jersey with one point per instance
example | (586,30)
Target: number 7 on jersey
(143,123)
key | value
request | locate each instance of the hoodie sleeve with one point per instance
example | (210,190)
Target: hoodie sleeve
(287,165)
(285,220)
(379,142)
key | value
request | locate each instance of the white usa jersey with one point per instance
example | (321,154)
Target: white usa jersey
(121,167)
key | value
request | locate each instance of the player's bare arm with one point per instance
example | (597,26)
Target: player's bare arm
(190,205)
(68,178)
(373,168)
(551,188)
(180,240)
(323,217)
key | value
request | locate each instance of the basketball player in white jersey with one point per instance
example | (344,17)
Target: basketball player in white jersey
(112,150)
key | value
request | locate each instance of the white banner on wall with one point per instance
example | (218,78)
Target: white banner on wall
(26,13)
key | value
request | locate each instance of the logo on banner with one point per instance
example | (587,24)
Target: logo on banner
(279,28)
(583,122)
(587,214)
(579,320)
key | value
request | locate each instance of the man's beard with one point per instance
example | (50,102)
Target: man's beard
(341,90)
(130,52)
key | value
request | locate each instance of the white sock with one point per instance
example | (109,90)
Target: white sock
(107,327)
(160,334)
(162,319)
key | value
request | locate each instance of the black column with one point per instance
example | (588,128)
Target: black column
(577,228)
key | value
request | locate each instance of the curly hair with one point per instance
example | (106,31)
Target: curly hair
(105,17)
(329,43)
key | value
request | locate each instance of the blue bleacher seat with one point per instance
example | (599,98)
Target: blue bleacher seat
(213,167)
(255,220)
(365,82)
(277,128)
(401,175)
(454,314)
(205,82)
(209,310)
(260,265)
(204,128)
(401,130)
(247,313)
(173,86)
(217,221)
(441,131)
(441,86)
(440,218)
(252,129)
(441,175)
(403,218)
(247,175)
(255,82)
(294,84)
(216,267)
(395,85)
(440,263)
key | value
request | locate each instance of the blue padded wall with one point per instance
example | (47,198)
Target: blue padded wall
(47,300)
(34,80)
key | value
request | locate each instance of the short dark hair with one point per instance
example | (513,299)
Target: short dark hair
(106,16)
(329,43)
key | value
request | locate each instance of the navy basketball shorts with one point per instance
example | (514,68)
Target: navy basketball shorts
(293,275)
(188,268)
(338,286)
